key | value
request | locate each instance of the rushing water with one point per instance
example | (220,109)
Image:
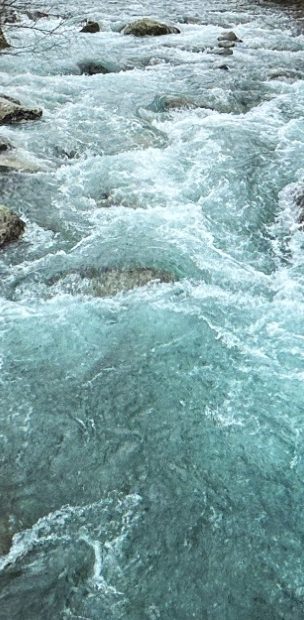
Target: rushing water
(152,441)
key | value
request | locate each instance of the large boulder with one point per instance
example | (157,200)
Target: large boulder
(11,226)
(90,27)
(3,42)
(149,28)
(12,111)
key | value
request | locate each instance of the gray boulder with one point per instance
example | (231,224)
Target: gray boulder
(149,28)
(12,111)
(229,36)
(11,226)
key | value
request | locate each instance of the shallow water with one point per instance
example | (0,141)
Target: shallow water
(152,440)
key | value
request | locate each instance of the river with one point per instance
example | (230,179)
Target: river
(151,440)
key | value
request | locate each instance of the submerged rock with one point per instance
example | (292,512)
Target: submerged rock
(10,161)
(5,536)
(298,199)
(11,226)
(111,281)
(3,42)
(92,68)
(229,36)
(91,27)
(12,111)
(165,103)
(223,51)
(149,27)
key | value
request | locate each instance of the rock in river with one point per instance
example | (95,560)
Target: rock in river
(11,226)
(91,27)
(109,281)
(226,44)
(229,36)
(3,42)
(92,68)
(12,111)
(149,27)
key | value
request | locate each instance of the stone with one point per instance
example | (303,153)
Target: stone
(149,27)
(5,146)
(11,226)
(3,42)
(109,281)
(92,68)
(226,44)
(222,67)
(90,27)
(229,36)
(11,111)
(298,199)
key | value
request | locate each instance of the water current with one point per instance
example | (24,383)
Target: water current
(151,440)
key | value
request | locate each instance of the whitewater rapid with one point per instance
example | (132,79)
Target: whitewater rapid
(151,440)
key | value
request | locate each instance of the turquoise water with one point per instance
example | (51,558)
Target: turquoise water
(152,441)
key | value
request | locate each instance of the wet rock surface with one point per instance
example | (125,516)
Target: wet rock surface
(149,27)
(3,42)
(12,111)
(110,281)
(91,27)
(11,226)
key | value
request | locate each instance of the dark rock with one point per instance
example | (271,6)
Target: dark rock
(5,146)
(11,99)
(149,27)
(12,111)
(92,68)
(298,199)
(10,17)
(11,226)
(223,67)
(229,36)
(3,42)
(226,44)
(91,27)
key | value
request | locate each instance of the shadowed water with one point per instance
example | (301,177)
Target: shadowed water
(151,422)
